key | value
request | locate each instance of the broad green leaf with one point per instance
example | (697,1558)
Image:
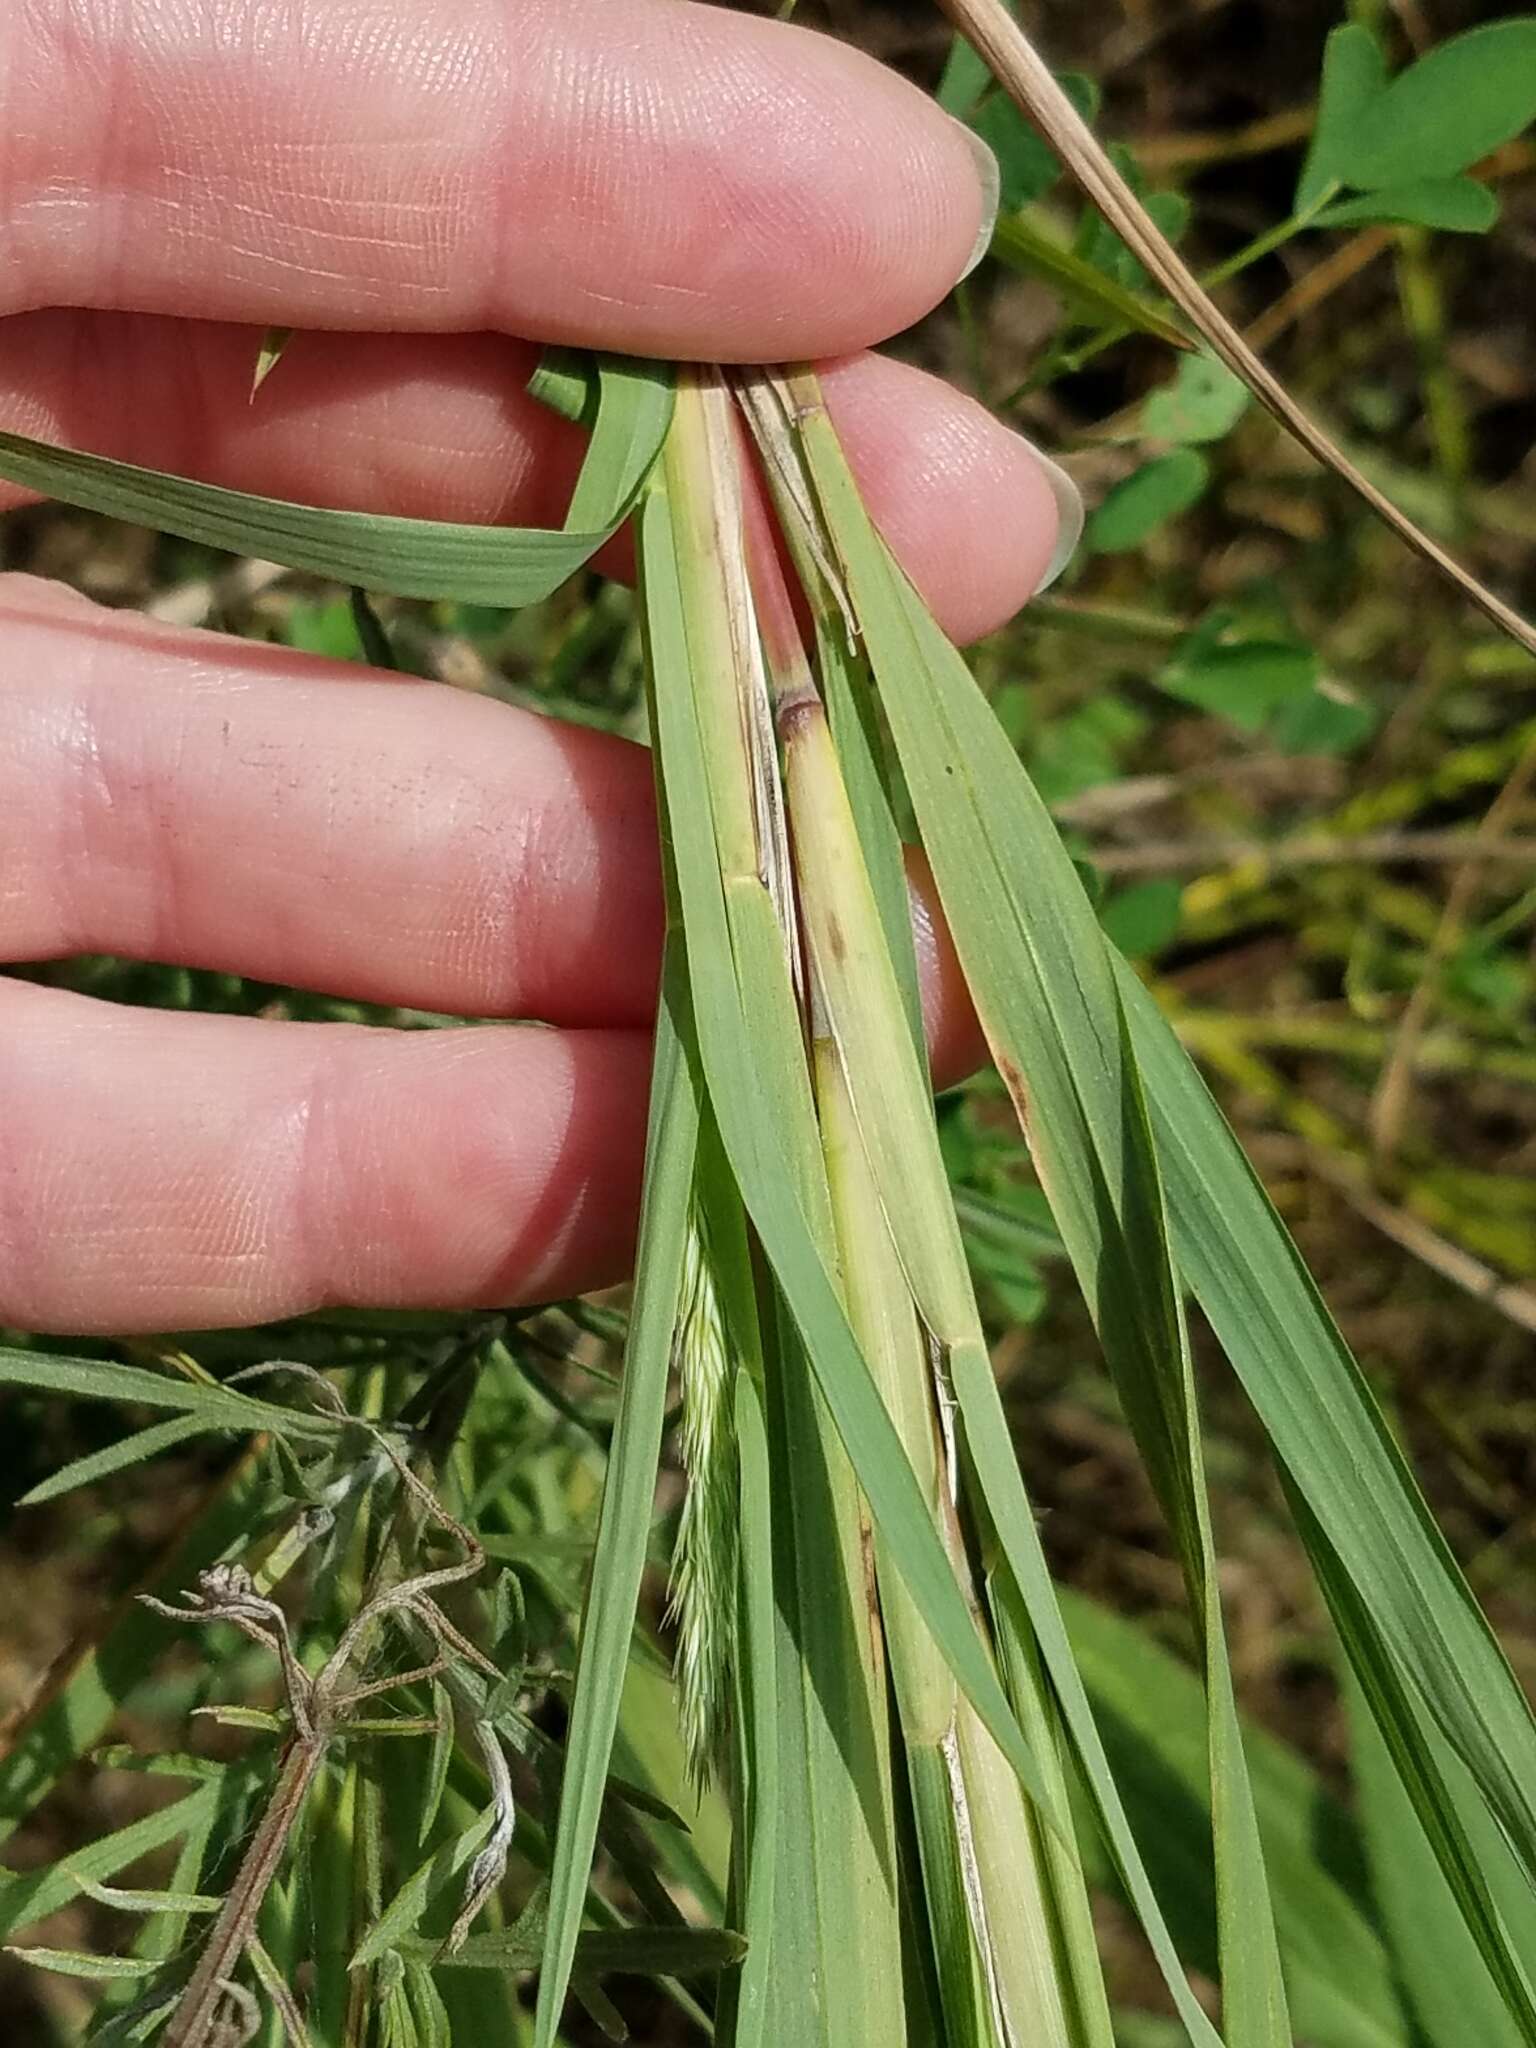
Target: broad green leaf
(1328,719)
(411,557)
(1100,242)
(1242,679)
(1028,166)
(965,78)
(1354,78)
(1143,225)
(1460,204)
(1204,401)
(1028,248)
(129,1450)
(1460,100)
(1085,748)
(624,1522)
(1147,499)
(330,629)
(1143,918)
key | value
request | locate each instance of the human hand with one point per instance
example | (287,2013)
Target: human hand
(412,184)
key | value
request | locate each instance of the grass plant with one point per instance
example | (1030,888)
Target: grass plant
(874,1799)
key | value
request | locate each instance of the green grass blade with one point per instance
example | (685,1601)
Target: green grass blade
(835,1858)
(749,1998)
(1342,1980)
(632,1951)
(1077,1938)
(1164,1416)
(411,557)
(928,1698)
(770,1997)
(94,1379)
(1330,1436)
(1444,1978)
(986,1426)
(130,1450)
(835,1855)
(1022,245)
(400,1916)
(1039,971)
(754,1143)
(624,1525)
(899,1233)
(70,1963)
(163,1936)
(1416,1760)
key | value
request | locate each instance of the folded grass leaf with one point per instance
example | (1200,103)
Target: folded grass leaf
(410,557)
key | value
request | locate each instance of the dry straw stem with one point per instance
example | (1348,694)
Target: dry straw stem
(1028,79)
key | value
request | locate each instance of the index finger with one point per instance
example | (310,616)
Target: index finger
(645,175)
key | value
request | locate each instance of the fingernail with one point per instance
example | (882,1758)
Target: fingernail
(991,179)
(1069,514)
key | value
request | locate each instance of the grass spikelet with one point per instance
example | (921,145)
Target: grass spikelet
(704,1563)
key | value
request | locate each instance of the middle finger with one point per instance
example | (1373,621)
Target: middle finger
(195,798)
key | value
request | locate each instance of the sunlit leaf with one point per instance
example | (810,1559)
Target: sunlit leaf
(1146,500)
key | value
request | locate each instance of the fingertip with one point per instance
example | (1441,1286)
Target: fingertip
(978,518)
(881,200)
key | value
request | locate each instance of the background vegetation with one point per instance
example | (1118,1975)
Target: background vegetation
(1302,772)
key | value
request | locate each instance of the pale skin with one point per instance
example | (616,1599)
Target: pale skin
(415,184)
